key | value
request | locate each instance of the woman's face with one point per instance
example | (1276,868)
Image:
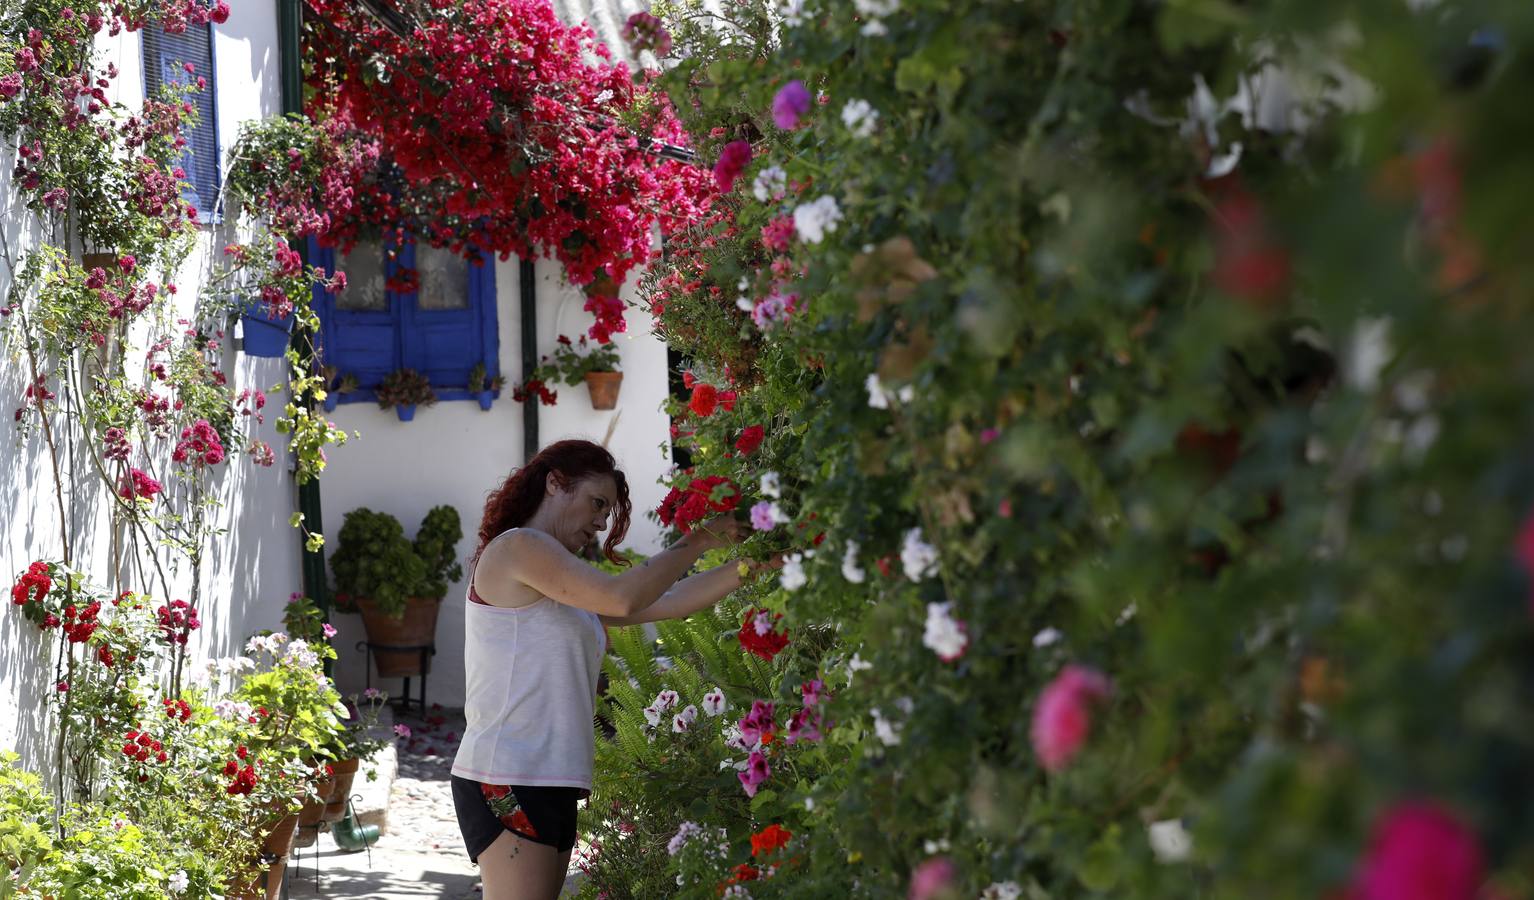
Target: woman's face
(583,507)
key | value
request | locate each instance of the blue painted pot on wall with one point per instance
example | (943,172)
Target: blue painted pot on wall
(405,411)
(485,399)
(265,336)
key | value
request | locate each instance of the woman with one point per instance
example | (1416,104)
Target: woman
(534,639)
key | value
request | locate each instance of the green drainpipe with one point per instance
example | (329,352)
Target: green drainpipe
(290,63)
(526,276)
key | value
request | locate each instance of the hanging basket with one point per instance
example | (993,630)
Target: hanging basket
(604,388)
(265,336)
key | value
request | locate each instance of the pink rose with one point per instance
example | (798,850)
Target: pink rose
(1062,718)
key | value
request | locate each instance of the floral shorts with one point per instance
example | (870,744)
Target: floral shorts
(543,815)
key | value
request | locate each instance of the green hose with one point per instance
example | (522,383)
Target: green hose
(350,836)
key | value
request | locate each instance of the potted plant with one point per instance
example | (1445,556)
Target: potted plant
(396,584)
(267,333)
(337,385)
(484,389)
(404,389)
(578,361)
(355,743)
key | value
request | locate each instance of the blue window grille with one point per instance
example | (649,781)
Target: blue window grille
(442,330)
(165,56)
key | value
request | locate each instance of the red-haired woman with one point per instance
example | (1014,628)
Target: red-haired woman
(534,639)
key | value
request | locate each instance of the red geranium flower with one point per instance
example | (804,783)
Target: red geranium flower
(771,838)
(759,634)
(750,439)
(704,400)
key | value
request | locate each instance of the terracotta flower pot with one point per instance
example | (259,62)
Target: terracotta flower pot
(604,388)
(416,628)
(341,790)
(314,808)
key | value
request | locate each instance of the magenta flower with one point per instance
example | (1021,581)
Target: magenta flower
(733,160)
(1418,851)
(402,731)
(804,726)
(756,772)
(126,262)
(1523,549)
(1062,718)
(790,105)
(811,690)
(932,878)
(758,725)
(10,85)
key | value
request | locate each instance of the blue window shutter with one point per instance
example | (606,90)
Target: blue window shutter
(362,343)
(164,56)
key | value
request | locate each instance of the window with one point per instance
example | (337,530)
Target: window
(165,59)
(442,329)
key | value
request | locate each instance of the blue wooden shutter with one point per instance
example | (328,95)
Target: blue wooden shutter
(164,56)
(364,343)
(445,344)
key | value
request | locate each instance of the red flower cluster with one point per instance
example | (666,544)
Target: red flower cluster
(80,624)
(177,709)
(1250,264)
(759,634)
(33,584)
(706,398)
(136,483)
(686,508)
(534,388)
(200,444)
(140,745)
(245,778)
(733,160)
(177,622)
(478,82)
(750,439)
(770,839)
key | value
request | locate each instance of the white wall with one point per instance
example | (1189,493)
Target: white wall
(251,569)
(456,453)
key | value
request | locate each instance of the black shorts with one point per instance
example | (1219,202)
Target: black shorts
(543,815)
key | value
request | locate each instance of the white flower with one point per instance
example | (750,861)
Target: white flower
(652,716)
(1169,840)
(871,11)
(666,699)
(944,634)
(233,710)
(917,557)
(683,720)
(879,396)
(792,12)
(736,892)
(860,117)
(744,304)
(792,576)
(770,183)
(850,569)
(713,702)
(884,729)
(854,665)
(178,882)
(603,97)
(299,654)
(734,739)
(941,845)
(1047,637)
(770,486)
(814,220)
(1002,890)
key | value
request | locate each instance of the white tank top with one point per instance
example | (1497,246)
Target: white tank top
(531,684)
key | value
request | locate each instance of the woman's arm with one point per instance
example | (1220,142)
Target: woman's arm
(693,593)
(539,561)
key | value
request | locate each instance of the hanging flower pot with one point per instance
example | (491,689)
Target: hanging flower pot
(405,411)
(264,335)
(485,398)
(604,388)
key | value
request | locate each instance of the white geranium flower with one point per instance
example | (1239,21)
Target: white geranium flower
(918,557)
(855,665)
(178,882)
(1002,890)
(1047,637)
(300,654)
(684,833)
(1169,840)
(770,486)
(734,739)
(850,568)
(666,699)
(879,396)
(770,183)
(885,730)
(713,702)
(652,715)
(683,720)
(860,117)
(814,220)
(944,634)
(792,576)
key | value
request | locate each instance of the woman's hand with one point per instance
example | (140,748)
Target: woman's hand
(723,530)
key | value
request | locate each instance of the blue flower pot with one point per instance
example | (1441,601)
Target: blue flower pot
(405,411)
(331,400)
(485,399)
(266,336)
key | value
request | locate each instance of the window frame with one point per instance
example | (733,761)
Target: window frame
(215,214)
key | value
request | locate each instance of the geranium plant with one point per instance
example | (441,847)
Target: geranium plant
(572,360)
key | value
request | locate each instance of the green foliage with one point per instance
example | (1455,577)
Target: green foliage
(572,361)
(374,560)
(1254,445)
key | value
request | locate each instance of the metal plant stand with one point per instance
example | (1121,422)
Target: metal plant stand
(426,651)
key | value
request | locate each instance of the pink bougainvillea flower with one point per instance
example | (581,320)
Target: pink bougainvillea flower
(733,160)
(790,104)
(778,234)
(932,878)
(757,771)
(1062,718)
(1418,851)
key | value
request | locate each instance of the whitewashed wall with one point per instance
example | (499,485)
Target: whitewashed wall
(248,572)
(456,453)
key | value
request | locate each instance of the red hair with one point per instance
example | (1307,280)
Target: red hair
(513,503)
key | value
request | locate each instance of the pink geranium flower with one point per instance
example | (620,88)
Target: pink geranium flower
(756,772)
(1062,718)
(790,104)
(1420,852)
